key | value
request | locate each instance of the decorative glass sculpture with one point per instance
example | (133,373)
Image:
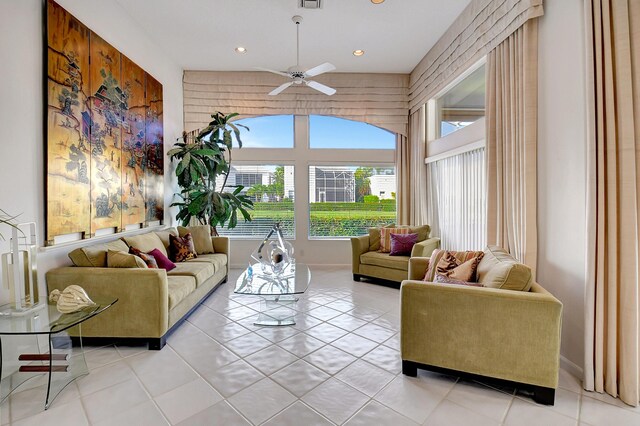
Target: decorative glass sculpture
(19,270)
(273,255)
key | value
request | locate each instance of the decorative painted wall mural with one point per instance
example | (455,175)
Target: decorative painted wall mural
(104,134)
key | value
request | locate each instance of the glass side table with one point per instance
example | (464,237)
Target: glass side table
(56,357)
(278,292)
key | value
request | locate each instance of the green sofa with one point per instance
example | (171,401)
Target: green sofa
(151,302)
(483,331)
(367,261)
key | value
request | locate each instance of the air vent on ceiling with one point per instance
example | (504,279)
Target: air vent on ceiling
(311,4)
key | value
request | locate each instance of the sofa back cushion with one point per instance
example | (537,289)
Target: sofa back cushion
(122,259)
(498,269)
(164,235)
(96,256)
(422,231)
(201,237)
(146,242)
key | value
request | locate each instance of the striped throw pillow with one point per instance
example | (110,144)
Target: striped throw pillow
(385,237)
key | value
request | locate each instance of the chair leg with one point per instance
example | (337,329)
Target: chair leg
(545,396)
(409,368)
(356,277)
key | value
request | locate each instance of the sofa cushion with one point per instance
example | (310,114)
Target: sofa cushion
(96,255)
(437,255)
(422,231)
(201,238)
(385,237)
(164,235)
(146,242)
(498,269)
(201,271)
(374,237)
(162,260)
(180,286)
(383,259)
(182,248)
(401,245)
(148,259)
(464,270)
(122,259)
(218,260)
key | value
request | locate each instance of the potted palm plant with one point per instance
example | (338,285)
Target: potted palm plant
(202,158)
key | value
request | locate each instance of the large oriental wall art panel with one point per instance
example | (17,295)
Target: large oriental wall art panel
(103,133)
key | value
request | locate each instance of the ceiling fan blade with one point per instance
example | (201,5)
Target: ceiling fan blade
(320,69)
(284,74)
(279,89)
(320,87)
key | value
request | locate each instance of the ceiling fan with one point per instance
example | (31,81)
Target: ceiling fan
(298,75)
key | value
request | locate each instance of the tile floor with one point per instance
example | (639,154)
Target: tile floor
(338,365)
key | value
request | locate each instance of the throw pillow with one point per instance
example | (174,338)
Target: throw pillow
(122,259)
(201,237)
(401,245)
(374,237)
(437,255)
(148,259)
(456,269)
(162,260)
(385,237)
(443,279)
(181,248)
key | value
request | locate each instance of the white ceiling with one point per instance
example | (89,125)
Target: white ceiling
(202,34)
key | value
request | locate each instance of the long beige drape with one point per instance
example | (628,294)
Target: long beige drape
(511,128)
(612,347)
(411,172)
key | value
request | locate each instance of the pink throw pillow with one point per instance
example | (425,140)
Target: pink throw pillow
(162,260)
(402,244)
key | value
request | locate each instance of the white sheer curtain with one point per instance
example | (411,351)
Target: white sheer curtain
(457,200)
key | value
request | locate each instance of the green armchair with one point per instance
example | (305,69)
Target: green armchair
(483,331)
(367,261)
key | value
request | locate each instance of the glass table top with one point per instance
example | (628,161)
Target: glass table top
(294,279)
(45,318)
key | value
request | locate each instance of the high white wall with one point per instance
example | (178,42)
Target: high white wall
(21,103)
(562,166)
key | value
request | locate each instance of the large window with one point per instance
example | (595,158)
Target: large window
(274,131)
(463,104)
(308,182)
(272,190)
(337,133)
(346,200)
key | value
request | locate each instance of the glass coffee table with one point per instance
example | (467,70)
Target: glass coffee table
(279,292)
(49,351)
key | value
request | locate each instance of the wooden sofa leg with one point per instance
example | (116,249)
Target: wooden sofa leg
(545,396)
(157,344)
(356,277)
(409,368)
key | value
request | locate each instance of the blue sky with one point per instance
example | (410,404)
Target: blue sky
(325,132)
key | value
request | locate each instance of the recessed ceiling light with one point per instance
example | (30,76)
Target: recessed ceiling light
(358,52)
(241,49)
(377,1)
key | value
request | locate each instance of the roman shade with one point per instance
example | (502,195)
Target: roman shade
(378,99)
(479,29)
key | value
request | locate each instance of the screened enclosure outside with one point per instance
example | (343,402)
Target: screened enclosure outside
(271,188)
(345,201)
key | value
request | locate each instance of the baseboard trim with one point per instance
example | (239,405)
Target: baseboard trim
(571,367)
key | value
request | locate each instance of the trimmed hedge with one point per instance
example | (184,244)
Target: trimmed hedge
(382,206)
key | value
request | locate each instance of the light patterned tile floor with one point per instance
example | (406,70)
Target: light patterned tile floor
(338,365)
